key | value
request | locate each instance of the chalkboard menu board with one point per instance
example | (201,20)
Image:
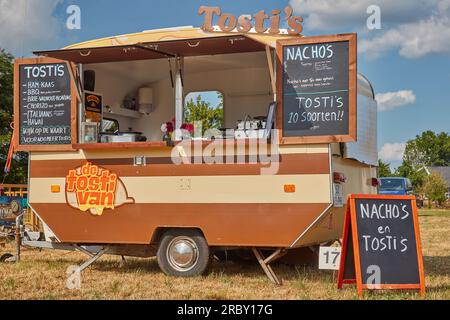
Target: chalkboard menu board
(319,88)
(382,243)
(44,106)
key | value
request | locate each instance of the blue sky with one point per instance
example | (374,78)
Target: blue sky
(408,60)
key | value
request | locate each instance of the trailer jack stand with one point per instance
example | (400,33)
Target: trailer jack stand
(93,258)
(265,263)
(123,262)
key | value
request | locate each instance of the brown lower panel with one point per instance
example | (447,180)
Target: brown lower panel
(329,228)
(262,225)
(289,164)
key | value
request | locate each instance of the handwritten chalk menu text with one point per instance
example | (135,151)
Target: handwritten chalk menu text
(45,104)
(316,88)
(386,242)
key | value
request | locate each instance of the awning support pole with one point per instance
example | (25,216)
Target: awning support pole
(265,263)
(80,89)
(271,69)
(76,79)
(171,74)
(178,102)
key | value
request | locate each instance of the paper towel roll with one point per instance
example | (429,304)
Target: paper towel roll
(145,96)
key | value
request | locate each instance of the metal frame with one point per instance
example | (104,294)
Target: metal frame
(265,263)
(93,259)
(93,255)
(179,106)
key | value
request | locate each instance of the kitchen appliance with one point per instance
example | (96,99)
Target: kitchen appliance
(251,128)
(124,137)
(250,123)
(89,132)
(145,100)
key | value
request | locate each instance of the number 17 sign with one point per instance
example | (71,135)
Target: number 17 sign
(329,258)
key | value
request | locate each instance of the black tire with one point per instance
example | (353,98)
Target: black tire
(196,260)
(5,257)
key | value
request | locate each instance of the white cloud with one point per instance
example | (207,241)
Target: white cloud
(414,40)
(27,25)
(391,100)
(414,27)
(332,14)
(392,152)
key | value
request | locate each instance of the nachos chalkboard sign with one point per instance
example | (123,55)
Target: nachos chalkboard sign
(44,104)
(317,89)
(381,244)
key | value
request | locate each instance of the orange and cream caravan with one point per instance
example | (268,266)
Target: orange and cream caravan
(179,143)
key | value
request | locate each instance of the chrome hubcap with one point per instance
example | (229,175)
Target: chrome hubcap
(182,253)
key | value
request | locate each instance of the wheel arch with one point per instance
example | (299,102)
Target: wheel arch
(160,231)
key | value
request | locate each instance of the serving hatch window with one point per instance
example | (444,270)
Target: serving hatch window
(110,126)
(206,107)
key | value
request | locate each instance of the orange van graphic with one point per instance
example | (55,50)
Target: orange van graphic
(94,189)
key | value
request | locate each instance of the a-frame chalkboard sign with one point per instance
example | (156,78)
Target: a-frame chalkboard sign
(381,247)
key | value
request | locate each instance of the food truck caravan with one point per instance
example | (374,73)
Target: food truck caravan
(117,166)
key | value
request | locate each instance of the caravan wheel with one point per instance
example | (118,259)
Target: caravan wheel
(183,253)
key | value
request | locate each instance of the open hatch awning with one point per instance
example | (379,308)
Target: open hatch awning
(100,55)
(158,50)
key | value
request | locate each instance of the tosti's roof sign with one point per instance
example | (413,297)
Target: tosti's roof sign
(228,22)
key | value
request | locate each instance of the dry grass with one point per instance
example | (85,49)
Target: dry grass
(42,275)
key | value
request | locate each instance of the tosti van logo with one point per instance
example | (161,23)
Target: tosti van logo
(94,189)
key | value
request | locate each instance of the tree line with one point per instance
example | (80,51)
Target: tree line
(19,167)
(427,150)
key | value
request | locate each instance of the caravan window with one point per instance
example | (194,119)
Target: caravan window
(206,107)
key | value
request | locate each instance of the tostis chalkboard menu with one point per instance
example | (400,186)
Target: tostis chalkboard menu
(319,88)
(45,104)
(381,248)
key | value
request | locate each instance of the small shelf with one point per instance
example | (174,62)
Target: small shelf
(117,111)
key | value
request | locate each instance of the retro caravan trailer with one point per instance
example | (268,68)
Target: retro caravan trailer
(121,161)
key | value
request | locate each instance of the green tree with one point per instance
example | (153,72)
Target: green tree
(384,169)
(417,175)
(435,188)
(19,166)
(427,150)
(201,111)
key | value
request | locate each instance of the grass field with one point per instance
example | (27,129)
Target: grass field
(42,275)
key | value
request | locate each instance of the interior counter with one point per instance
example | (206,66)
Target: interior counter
(158,144)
